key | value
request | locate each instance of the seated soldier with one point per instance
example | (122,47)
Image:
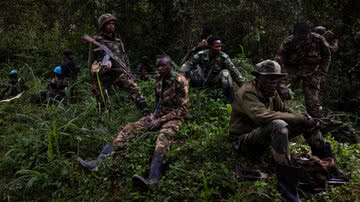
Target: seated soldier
(171,109)
(260,119)
(57,86)
(214,69)
(14,86)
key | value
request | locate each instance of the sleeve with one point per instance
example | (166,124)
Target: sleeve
(235,74)
(260,115)
(182,94)
(326,58)
(191,64)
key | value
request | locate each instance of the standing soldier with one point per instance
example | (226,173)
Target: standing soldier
(111,72)
(171,109)
(304,56)
(215,69)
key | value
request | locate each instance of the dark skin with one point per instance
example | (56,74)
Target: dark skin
(267,86)
(109,27)
(215,48)
(165,72)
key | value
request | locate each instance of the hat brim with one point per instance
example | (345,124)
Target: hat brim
(255,73)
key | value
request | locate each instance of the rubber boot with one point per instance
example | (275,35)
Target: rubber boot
(154,176)
(106,151)
(287,177)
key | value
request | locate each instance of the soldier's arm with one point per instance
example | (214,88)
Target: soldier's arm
(182,95)
(326,58)
(235,74)
(191,64)
(260,115)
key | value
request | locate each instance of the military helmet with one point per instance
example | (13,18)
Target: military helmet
(320,30)
(13,72)
(57,70)
(163,60)
(268,68)
(103,19)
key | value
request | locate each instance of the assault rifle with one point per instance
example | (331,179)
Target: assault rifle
(108,55)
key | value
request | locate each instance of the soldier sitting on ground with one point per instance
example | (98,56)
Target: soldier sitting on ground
(13,87)
(172,104)
(144,70)
(58,87)
(260,119)
(214,68)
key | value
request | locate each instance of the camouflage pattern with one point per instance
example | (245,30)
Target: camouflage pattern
(12,88)
(306,61)
(57,89)
(260,121)
(114,76)
(104,19)
(171,110)
(212,68)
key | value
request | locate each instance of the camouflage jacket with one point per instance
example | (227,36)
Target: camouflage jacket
(12,88)
(172,98)
(56,87)
(251,109)
(115,45)
(211,67)
(310,58)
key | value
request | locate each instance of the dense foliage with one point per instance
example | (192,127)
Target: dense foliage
(40,143)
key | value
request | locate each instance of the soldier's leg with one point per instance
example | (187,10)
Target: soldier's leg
(227,85)
(120,150)
(163,142)
(275,134)
(311,93)
(133,89)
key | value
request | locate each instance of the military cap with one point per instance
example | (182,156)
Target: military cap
(103,19)
(268,68)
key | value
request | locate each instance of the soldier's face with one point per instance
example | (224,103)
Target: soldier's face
(216,47)
(268,84)
(164,69)
(109,27)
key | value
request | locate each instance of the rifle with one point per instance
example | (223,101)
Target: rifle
(108,55)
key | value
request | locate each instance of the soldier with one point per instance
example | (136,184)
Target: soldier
(69,67)
(111,72)
(304,56)
(329,36)
(143,70)
(14,87)
(259,118)
(171,109)
(57,87)
(215,69)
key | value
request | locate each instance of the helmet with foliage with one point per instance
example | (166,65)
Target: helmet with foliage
(103,19)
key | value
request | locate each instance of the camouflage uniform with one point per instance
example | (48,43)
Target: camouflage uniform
(57,89)
(172,108)
(213,71)
(12,88)
(260,121)
(308,62)
(114,76)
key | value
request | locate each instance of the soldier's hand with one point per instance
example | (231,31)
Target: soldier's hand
(284,93)
(153,124)
(107,65)
(311,123)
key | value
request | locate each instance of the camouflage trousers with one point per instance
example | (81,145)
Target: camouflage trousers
(311,90)
(223,79)
(121,81)
(276,134)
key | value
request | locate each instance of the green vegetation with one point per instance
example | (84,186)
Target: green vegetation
(40,145)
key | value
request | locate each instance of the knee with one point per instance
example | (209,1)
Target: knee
(278,124)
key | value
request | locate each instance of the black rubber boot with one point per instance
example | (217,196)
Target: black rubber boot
(287,177)
(154,176)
